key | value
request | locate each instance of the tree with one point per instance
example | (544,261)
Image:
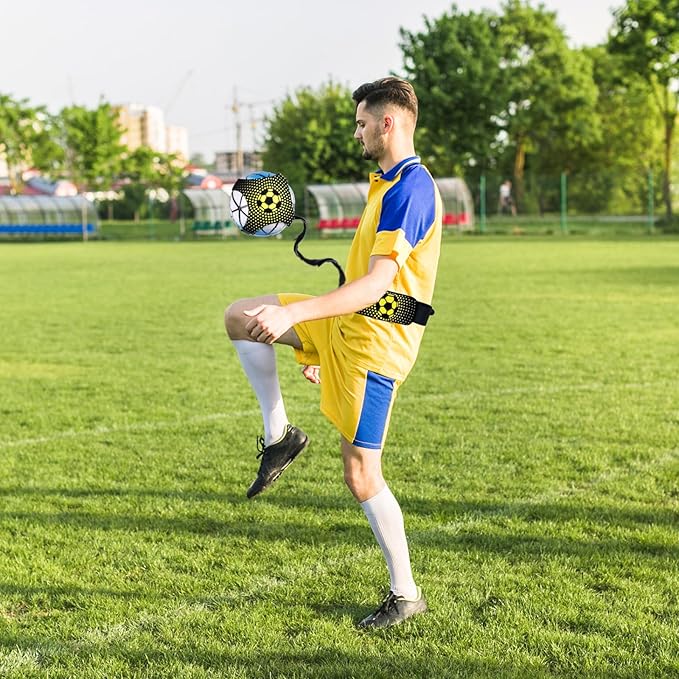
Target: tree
(145,170)
(613,170)
(551,108)
(26,138)
(646,35)
(91,139)
(454,65)
(309,138)
(493,86)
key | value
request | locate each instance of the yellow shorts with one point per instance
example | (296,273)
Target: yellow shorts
(356,400)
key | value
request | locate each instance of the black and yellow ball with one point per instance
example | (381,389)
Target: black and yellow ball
(269,201)
(387,306)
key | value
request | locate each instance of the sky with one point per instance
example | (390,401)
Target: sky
(195,59)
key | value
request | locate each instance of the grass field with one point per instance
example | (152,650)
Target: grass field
(534,449)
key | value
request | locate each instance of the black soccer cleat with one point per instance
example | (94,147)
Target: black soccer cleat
(394,610)
(276,457)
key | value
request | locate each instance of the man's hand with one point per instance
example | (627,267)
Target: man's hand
(312,373)
(268,322)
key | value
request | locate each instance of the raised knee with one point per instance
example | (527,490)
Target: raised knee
(233,321)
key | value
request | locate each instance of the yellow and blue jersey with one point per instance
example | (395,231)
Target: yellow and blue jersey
(364,360)
(402,219)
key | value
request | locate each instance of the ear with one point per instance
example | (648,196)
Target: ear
(388,123)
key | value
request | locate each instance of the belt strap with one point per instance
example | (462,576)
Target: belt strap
(395,307)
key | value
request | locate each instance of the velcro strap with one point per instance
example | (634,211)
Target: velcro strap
(395,307)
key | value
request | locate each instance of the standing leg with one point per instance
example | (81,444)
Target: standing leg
(363,476)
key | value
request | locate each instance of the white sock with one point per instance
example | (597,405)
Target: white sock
(259,363)
(386,520)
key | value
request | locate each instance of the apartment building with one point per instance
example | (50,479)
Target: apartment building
(145,125)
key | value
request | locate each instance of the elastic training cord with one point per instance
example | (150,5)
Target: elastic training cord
(316,262)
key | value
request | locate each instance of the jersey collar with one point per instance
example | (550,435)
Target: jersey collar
(399,167)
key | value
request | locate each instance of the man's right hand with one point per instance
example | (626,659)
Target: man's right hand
(312,373)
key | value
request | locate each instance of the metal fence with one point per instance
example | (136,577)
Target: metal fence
(604,203)
(568,201)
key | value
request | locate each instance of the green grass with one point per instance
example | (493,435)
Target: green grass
(534,450)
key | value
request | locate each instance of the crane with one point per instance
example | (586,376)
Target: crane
(178,91)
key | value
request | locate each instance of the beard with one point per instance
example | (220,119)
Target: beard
(374,151)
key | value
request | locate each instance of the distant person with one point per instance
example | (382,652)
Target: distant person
(359,337)
(506,202)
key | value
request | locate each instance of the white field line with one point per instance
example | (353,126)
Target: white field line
(124,428)
(199,419)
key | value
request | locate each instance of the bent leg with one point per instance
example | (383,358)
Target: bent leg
(363,476)
(235,320)
(259,364)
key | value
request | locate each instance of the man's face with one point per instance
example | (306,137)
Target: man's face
(369,133)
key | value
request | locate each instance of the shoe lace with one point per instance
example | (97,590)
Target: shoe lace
(387,605)
(260,446)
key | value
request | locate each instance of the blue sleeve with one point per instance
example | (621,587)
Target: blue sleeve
(410,205)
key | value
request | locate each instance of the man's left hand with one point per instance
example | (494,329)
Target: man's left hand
(312,373)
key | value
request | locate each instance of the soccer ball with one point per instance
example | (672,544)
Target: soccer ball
(239,208)
(264,202)
(387,306)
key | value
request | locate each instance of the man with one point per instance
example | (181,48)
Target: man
(348,335)
(506,202)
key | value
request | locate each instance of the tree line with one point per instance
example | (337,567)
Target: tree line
(84,146)
(501,94)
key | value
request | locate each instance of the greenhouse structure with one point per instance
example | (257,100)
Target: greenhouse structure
(44,216)
(340,205)
(212,214)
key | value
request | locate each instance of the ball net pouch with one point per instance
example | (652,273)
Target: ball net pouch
(263,204)
(268,199)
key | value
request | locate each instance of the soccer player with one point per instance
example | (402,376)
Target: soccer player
(362,338)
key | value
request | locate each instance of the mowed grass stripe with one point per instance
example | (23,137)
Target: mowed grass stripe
(203,419)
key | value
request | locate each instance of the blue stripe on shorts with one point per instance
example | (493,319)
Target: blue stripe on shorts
(379,391)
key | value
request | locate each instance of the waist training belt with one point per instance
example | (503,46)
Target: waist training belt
(395,307)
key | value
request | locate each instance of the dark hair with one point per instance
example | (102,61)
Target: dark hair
(384,91)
